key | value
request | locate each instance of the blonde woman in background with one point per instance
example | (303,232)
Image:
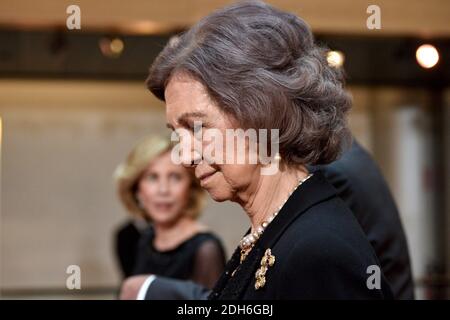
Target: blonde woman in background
(168,196)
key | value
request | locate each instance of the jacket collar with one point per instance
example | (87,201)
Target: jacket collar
(314,190)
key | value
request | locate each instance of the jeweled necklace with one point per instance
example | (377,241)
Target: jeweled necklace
(247,242)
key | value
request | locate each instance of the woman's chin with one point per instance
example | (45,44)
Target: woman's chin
(164,219)
(219,195)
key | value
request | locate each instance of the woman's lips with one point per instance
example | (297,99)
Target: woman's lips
(205,177)
(163,206)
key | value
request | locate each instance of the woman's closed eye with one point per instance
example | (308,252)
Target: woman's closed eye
(151,177)
(175,177)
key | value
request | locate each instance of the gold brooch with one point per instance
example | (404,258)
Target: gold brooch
(267,261)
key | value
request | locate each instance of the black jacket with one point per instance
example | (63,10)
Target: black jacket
(320,252)
(361,185)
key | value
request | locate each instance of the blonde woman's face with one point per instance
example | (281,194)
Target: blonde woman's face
(164,189)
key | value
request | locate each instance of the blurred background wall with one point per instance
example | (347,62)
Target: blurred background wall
(71,110)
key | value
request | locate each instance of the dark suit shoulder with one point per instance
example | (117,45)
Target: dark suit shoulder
(327,254)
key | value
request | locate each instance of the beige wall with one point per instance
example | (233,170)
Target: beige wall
(61,143)
(413,17)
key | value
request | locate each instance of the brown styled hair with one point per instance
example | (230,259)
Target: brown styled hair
(262,66)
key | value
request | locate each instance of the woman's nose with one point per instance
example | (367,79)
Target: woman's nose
(163,186)
(190,150)
(194,159)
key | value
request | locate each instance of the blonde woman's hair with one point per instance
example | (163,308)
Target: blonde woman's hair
(128,174)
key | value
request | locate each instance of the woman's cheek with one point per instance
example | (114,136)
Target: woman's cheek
(149,191)
(222,190)
(237,175)
(181,192)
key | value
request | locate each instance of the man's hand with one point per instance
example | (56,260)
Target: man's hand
(130,287)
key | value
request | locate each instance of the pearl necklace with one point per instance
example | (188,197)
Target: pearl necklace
(247,242)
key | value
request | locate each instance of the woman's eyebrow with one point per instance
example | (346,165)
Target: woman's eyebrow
(194,114)
(185,120)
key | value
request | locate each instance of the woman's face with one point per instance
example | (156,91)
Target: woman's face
(187,102)
(163,190)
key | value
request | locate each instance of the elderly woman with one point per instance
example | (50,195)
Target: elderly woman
(169,197)
(251,66)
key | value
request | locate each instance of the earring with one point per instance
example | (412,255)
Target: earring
(277,157)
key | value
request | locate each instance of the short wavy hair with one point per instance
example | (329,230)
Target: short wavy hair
(128,174)
(262,66)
